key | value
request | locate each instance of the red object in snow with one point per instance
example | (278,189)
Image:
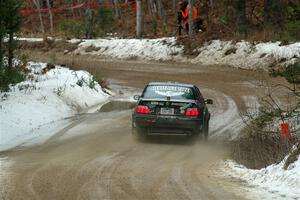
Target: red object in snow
(285,131)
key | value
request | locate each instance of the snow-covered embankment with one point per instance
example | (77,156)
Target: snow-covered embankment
(242,54)
(272,182)
(35,108)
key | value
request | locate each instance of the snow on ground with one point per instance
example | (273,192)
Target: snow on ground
(33,108)
(272,182)
(242,54)
(144,49)
(246,55)
(38,39)
(31,39)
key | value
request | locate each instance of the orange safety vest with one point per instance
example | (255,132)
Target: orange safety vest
(185,14)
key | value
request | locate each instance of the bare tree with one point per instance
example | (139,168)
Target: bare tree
(152,7)
(79,10)
(70,4)
(139,18)
(241,16)
(50,16)
(153,12)
(174,6)
(117,9)
(191,20)
(88,22)
(38,6)
(211,4)
(162,13)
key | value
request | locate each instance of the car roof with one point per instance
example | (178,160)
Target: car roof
(171,83)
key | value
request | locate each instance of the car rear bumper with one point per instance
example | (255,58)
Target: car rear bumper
(168,125)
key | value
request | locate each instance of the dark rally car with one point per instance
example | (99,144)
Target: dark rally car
(169,108)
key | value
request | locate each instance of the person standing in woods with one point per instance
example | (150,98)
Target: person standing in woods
(183,15)
(179,18)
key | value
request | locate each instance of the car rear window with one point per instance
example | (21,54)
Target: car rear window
(174,92)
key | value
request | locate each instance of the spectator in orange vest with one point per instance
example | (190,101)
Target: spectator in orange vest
(185,14)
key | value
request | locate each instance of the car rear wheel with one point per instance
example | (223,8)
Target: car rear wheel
(206,131)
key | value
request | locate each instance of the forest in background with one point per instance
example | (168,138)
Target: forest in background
(254,20)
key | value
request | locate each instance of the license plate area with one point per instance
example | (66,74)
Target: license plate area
(167,111)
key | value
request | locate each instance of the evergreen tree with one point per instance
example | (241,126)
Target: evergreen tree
(10,22)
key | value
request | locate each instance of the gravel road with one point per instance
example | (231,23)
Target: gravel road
(96,157)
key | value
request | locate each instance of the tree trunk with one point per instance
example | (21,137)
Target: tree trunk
(139,19)
(241,17)
(162,13)
(50,16)
(88,22)
(117,10)
(38,6)
(79,10)
(149,6)
(152,10)
(267,12)
(72,10)
(211,2)
(174,7)
(191,20)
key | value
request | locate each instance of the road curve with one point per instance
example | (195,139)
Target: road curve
(97,158)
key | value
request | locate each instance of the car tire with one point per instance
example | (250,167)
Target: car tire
(205,131)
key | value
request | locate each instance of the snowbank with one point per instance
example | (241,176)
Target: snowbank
(43,100)
(145,49)
(272,182)
(242,54)
(246,55)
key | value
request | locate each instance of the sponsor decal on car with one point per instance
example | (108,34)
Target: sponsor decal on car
(170,91)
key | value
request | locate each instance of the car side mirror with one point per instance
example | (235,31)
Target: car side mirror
(209,101)
(136,97)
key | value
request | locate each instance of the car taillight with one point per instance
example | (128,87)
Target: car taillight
(142,110)
(192,112)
